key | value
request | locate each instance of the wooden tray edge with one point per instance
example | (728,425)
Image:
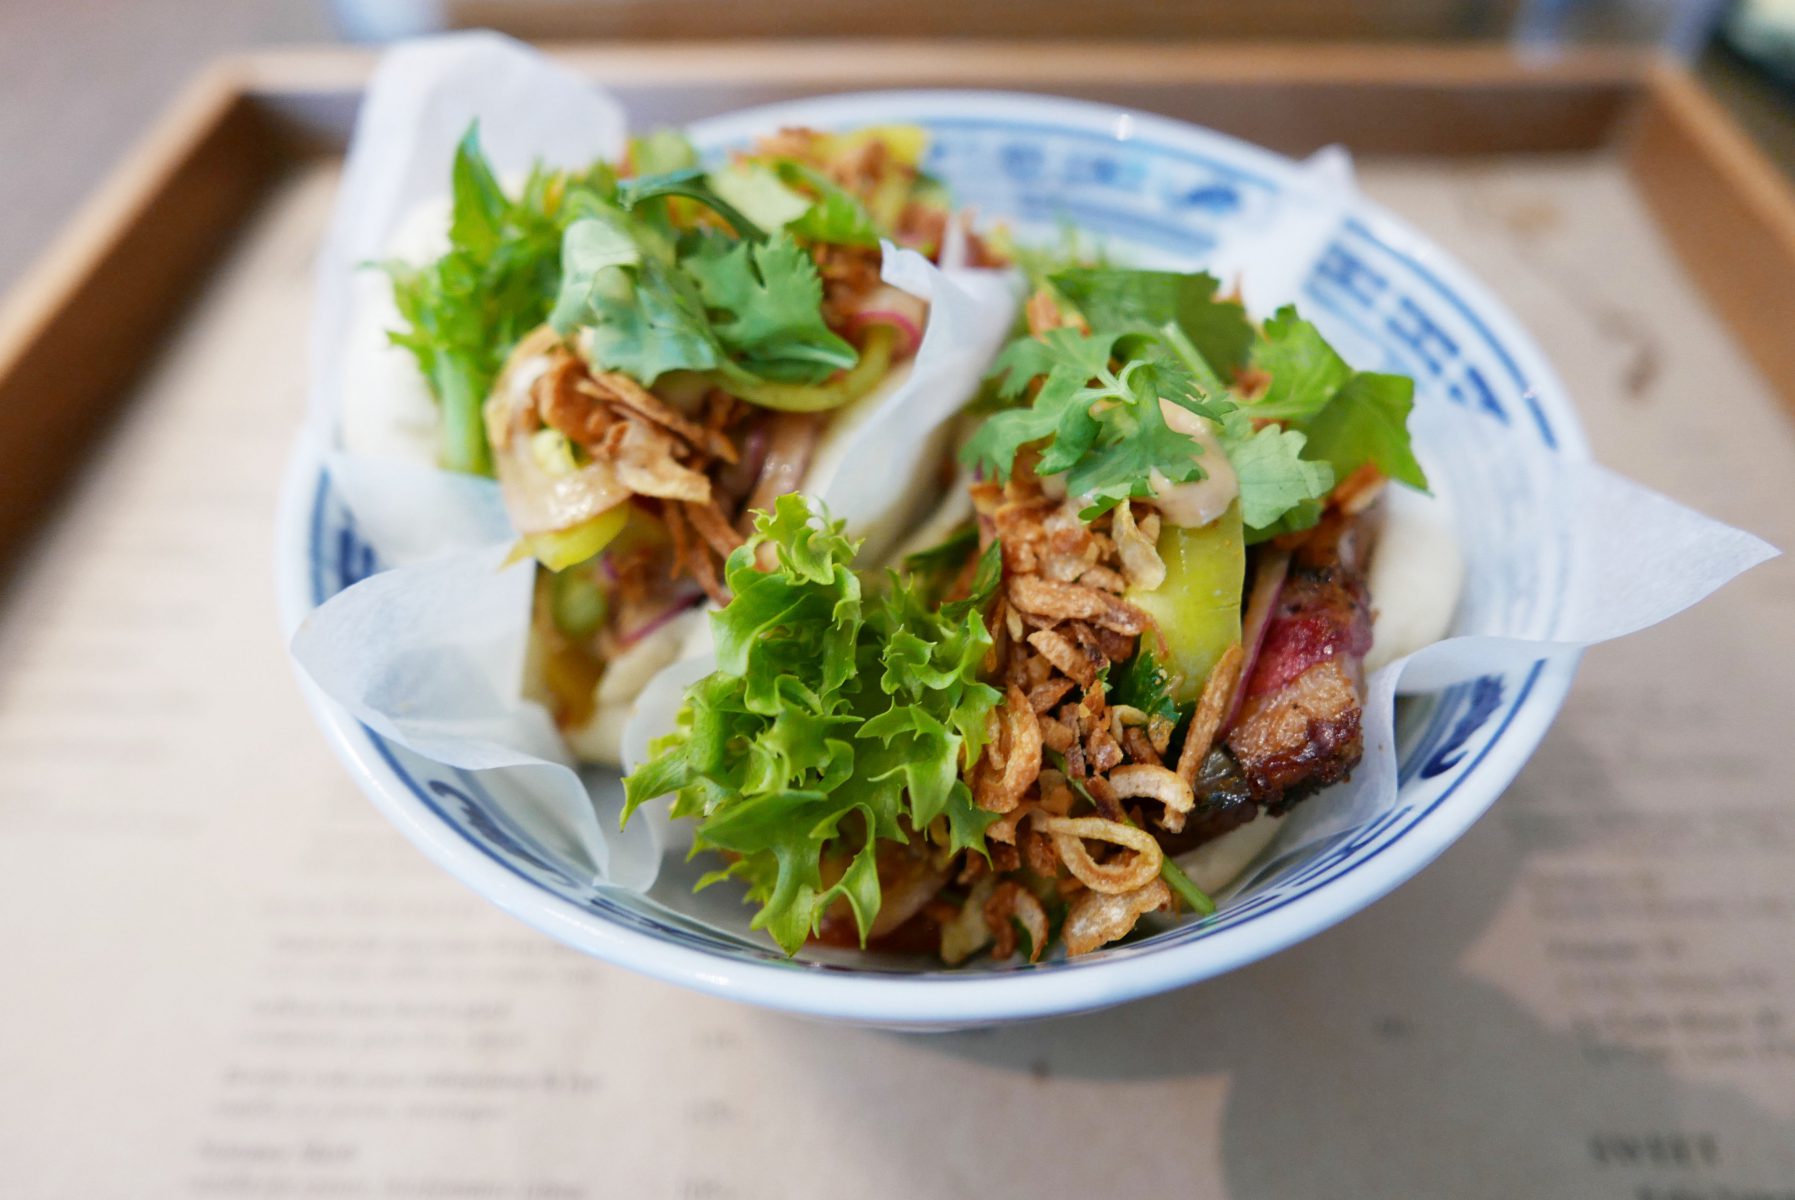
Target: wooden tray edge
(1728,212)
(90,313)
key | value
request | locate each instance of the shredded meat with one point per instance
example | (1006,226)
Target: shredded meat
(638,400)
(713,527)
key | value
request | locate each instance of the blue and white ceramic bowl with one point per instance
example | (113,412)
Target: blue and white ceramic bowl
(1156,189)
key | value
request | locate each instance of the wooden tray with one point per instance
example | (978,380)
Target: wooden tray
(1590,995)
(83,324)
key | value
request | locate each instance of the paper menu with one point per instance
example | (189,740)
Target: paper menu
(225,975)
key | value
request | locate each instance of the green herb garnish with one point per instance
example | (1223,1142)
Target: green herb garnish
(607,259)
(1161,336)
(1144,683)
(465,311)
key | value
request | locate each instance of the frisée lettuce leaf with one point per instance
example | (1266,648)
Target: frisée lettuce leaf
(464,312)
(838,716)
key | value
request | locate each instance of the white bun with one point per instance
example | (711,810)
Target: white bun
(1216,864)
(1416,576)
(600,740)
(386,408)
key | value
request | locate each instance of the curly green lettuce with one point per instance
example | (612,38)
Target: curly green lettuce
(838,716)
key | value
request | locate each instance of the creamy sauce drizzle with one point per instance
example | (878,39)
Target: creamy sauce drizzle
(1200,501)
(1192,504)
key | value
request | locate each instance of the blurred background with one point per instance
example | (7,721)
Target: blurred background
(82,79)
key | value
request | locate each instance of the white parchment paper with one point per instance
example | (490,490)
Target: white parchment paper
(431,651)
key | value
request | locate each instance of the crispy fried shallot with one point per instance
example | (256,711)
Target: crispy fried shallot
(691,554)
(643,457)
(1140,781)
(1074,602)
(1063,654)
(627,393)
(1112,878)
(1140,557)
(1049,692)
(1097,918)
(1012,900)
(1004,828)
(1004,776)
(1212,706)
(1137,746)
(966,933)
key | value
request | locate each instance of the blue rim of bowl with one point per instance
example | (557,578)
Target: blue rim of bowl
(942,998)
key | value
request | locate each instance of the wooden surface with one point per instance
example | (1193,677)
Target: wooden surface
(1379,99)
(227,978)
(81,326)
(82,80)
(1729,213)
(240,982)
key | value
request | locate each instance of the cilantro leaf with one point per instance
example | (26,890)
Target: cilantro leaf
(1366,421)
(655,324)
(1162,336)
(1107,428)
(771,297)
(831,723)
(1351,417)
(590,248)
(1274,475)
(1305,371)
(1144,683)
(1304,515)
(1133,441)
(1115,298)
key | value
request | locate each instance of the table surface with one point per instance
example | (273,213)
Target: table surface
(227,976)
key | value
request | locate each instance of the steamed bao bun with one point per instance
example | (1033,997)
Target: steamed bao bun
(388,412)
